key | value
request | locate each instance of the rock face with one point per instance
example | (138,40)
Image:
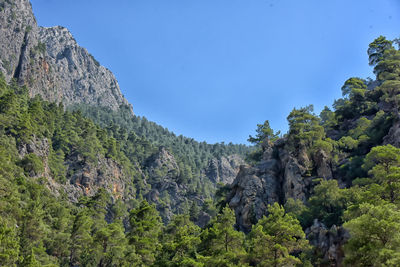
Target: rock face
(51,63)
(393,137)
(278,177)
(328,242)
(252,191)
(224,170)
(164,173)
(83,178)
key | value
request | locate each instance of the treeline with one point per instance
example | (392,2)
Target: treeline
(187,150)
(38,228)
(356,138)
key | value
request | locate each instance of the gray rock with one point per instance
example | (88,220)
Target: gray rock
(328,242)
(251,193)
(83,178)
(322,162)
(393,137)
(279,176)
(224,170)
(51,63)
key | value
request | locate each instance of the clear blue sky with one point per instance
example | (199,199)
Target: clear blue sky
(213,69)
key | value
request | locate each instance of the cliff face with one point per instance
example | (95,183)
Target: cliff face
(279,176)
(84,178)
(51,63)
(225,169)
(276,178)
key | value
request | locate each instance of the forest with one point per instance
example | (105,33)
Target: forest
(44,145)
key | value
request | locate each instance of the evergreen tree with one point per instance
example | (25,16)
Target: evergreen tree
(180,240)
(383,165)
(275,239)
(375,236)
(221,243)
(145,224)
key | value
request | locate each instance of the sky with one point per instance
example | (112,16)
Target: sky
(214,69)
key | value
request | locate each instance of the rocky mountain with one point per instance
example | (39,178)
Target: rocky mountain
(279,176)
(224,169)
(51,63)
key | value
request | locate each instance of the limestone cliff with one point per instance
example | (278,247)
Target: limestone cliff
(282,174)
(84,178)
(224,169)
(50,62)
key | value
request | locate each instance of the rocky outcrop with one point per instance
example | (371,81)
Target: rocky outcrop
(51,63)
(280,175)
(393,137)
(166,190)
(328,243)
(87,178)
(251,193)
(224,169)
(84,178)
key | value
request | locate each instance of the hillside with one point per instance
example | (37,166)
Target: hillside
(50,63)
(85,182)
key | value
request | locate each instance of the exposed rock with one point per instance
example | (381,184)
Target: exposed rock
(278,177)
(162,163)
(224,170)
(203,219)
(83,178)
(17,25)
(87,178)
(393,137)
(328,243)
(251,193)
(50,61)
(324,169)
(164,173)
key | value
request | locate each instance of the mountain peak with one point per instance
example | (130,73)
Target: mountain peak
(51,63)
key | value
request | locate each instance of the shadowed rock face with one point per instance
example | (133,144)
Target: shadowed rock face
(328,242)
(51,63)
(281,175)
(84,178)
(224,170)
(276,178)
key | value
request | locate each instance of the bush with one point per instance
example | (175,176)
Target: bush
(32,164)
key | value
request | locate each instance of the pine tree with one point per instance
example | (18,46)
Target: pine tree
(275,239)
(146,225)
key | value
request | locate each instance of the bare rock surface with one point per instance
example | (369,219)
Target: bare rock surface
(51,63)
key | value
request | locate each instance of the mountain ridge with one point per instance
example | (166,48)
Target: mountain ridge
(51,63)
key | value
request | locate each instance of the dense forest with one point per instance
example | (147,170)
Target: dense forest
(85,185)
(41,226)
(186,150)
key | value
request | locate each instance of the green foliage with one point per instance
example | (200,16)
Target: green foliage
(275,239)
(9,245)
(40,229)
(32,164)
(375,236)
(297,209)
(139,138)
(377,49)
(145,224)
(304,128)
(180,240)
(264,134)
(221,244)
(57,167)
(383,165)
(328,203)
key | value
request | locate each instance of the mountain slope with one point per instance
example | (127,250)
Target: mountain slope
(51,63)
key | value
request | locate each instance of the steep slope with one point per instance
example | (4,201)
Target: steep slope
(51,63)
